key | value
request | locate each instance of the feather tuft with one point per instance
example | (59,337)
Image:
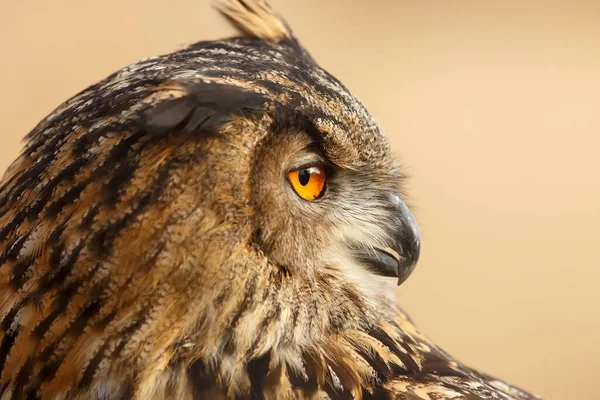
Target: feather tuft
(255,18)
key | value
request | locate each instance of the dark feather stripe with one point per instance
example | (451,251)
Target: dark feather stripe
(308,384)
(117,155)
(22,380)
(43,327)
(3,388)
(68,198)
(32,211)
(47,127)
(90,310)
(332,391)
(62,263)
(258,371)
(20,271)
(26,180)
(102,353)
(88,218)
(374,359)
(45,193)
(9,318)
(9,228)
(49,280)
(101,241)
(228,340)
(60,303)
(83,143)
(409,363)
(89,371)
(122,174)
(87,311)
(61,131)
(24,264)
(203,379)
(271,317)
(52,360)
(127,334)
(48,136)
(6,345)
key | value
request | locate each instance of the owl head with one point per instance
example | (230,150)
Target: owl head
(199,208)
(324,187)
(292,166)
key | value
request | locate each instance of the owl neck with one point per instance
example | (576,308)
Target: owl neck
(311,333)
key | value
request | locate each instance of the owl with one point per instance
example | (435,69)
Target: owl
(222,222)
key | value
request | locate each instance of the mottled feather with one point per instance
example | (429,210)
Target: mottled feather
(142,254)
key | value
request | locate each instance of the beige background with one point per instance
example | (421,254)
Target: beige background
(492,107)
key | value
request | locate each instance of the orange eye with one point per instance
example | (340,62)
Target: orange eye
(308,182)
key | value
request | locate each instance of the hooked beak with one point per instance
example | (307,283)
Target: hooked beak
(401,257)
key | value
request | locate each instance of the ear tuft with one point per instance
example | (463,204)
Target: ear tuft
(255,18)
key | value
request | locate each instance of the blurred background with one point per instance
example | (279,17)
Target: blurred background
(493,109)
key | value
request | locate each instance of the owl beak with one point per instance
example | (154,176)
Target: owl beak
(408,242)
(399,259)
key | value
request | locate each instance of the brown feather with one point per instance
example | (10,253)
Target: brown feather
(150,246)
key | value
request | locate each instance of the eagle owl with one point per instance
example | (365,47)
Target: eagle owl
(221,222)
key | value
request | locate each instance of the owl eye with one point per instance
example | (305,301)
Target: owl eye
(308,182)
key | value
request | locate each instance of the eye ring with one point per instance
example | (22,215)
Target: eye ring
(309,182)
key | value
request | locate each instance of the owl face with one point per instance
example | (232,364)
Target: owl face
(314,213)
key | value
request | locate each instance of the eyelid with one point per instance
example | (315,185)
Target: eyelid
(307,161)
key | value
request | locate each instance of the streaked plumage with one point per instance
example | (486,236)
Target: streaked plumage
(150,247)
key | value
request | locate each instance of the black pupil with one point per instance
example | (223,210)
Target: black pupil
(304,177)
